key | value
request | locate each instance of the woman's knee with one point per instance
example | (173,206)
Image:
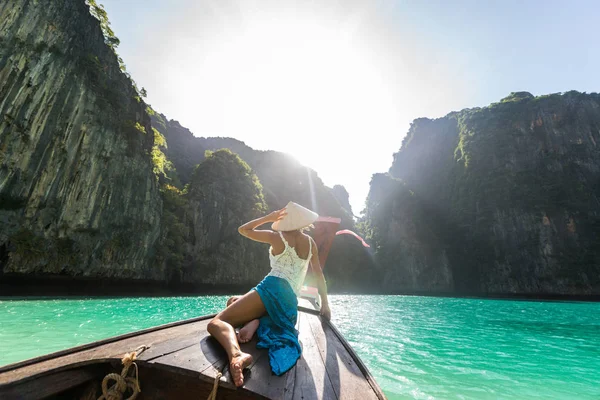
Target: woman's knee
(213,325)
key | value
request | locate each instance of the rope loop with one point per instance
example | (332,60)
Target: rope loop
(123,382)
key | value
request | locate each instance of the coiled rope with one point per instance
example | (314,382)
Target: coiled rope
(122,381)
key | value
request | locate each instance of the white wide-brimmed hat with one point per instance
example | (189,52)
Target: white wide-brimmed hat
(297,217)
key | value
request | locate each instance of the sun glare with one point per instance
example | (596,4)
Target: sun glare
(304,87)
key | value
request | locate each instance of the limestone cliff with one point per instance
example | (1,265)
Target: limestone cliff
(410,254)
(77,192)
(343,197)
(501,199)
(223,194)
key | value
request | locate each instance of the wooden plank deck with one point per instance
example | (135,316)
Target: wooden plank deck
(327,369)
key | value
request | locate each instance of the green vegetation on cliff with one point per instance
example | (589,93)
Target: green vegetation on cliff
(112,41)
(98,11)
(163,167)
(225,172)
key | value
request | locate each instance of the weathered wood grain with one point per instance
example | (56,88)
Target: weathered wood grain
(312,381)
(347,379)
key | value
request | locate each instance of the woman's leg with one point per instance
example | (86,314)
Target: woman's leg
(247,308)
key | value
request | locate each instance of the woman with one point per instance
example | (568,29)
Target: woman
(274,300)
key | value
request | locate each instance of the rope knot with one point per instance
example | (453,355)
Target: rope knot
(122,381)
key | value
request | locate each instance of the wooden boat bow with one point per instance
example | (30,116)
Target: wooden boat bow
(182,361)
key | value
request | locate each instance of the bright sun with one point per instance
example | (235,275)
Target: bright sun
(301,86)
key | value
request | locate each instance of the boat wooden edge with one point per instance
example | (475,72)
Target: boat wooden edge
(101,342)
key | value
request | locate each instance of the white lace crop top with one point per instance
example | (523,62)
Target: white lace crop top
(289,266)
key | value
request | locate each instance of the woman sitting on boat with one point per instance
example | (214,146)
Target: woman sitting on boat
(274,299)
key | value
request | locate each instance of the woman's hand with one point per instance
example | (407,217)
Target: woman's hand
(326,312)
(276,215)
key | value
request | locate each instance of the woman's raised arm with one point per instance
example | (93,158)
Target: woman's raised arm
(264,236)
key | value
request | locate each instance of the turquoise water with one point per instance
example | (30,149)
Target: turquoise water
(416,347)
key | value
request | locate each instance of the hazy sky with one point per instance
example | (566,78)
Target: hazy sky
(337,83)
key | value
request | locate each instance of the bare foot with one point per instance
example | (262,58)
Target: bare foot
(237,365)
(245,334)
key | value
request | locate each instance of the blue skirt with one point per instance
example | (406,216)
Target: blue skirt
(277,330)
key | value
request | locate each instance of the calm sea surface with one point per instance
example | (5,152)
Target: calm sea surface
(416,347)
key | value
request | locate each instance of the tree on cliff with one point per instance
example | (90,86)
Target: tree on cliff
(225,172)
